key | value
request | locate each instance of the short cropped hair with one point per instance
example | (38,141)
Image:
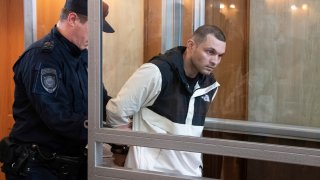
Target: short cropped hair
(201,33)
(64,14)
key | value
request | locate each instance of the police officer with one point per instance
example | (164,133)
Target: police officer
(50,107)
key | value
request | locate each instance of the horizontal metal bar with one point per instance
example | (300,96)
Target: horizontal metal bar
(123,173)
(233,148)
(263,129)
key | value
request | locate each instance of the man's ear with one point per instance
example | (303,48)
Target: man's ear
(72,17)
(190,44)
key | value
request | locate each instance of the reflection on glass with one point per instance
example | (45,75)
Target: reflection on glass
(232,6)
(221,5)
(304,6)
(294,7)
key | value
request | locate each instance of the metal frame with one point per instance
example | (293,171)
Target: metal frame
(98,135)
(122,173)
(30,22)
(250,150)
(172,11)
(94,82)
(199,13)
(258,151)
(263,129)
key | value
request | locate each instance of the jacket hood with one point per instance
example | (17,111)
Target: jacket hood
(174,57)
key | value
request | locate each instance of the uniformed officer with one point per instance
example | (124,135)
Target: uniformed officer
(50,106)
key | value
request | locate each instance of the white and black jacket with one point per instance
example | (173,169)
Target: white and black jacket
(160,100)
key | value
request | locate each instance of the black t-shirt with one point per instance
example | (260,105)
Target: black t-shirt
(192,82)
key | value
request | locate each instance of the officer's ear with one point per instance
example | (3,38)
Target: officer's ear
(72,18)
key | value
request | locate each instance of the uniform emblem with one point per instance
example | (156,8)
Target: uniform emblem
(49,79)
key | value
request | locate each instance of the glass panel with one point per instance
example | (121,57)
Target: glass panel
(231,17)
(269,74)
(283,80)
(125,50)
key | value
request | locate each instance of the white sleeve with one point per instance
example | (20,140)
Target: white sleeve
(140,90)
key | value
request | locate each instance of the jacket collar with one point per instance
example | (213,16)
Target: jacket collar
(174,57)
(72,48)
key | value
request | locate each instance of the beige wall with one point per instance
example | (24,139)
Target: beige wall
(284,81)
(122,50)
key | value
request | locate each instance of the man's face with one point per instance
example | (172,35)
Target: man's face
(81,36)
(207,54)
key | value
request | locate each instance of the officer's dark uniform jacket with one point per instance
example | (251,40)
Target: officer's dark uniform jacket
(162,99)
(51,96)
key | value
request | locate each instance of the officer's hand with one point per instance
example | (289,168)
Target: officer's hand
(119,159)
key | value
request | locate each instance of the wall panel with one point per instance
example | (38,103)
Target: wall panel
(187,22)
(4,68)
(48,13)
(152,28)
(11,46)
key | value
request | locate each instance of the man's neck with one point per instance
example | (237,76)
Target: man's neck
(188,66)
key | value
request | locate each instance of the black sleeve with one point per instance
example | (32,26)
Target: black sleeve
(51,98)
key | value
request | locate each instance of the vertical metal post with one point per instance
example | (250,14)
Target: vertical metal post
(94,82)
(30,22)
(199,13)
(177,22)
(172,15)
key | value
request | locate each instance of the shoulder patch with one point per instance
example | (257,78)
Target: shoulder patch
(49,79)
(48,46)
